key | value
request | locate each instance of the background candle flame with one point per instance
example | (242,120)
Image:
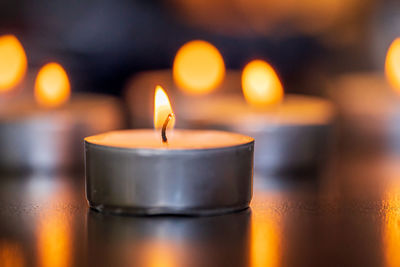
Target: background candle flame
(261,85)
(198,67)
(13,62)
(162,108)
(392,64)
(52,87)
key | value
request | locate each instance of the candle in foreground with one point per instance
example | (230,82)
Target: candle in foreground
(144,171)
(292,132)
(45,134)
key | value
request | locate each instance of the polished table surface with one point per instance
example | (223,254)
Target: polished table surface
(348,216)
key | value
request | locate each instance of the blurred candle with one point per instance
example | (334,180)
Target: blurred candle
(292,131)
(13,63)
(369,105)
(45,131)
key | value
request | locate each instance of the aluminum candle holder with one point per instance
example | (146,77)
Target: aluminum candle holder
(198,173)
(33,138)
(294,138)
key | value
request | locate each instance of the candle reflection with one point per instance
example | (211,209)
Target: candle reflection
(54,241)
(265,241)
(54,234)
(159,254)
(11,255)
(391,234)
(169,241)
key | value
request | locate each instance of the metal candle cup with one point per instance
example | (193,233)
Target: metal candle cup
(35,138)
(294,136)
(369,112)
(195,173)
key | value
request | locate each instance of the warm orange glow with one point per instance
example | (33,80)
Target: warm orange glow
(392,64)
(198,67)
(159,253)
(391,233)
(54,241)
(265,242)
(162,108)
(52,86)
(13,62)
(11,255)
(261,85)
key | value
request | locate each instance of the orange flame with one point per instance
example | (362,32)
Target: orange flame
(52,87)
(261,85)
(162,108)
(13,62)
(198,67)
(392,64)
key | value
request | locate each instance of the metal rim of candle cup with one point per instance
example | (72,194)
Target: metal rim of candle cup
(193,182)
(49,140)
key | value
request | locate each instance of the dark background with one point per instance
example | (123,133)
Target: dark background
(102,43)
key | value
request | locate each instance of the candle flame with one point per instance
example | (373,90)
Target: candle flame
(261,85)
(198,67)
(52,87)
(392,64)
(13,62)
(162,109)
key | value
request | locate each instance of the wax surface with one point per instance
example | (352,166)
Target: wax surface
(233,110)
(80,105)
(177,139)
(364,94)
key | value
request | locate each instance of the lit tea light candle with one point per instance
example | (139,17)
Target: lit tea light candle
(47,134)
(292,132)
(369,105)
(162,171)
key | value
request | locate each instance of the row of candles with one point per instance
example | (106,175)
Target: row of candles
(164,170)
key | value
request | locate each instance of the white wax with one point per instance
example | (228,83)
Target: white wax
(177,139)
(295,110)
(226,105)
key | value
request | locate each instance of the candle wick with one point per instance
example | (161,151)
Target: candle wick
(164,127)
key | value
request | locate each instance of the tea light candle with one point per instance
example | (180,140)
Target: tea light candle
(292,132)
(182,172)
(369,105)
(293,136)
(46,134)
